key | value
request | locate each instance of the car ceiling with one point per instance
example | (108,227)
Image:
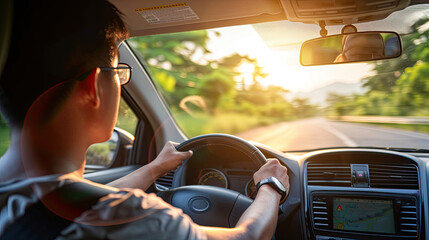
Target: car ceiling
(208,14)
(150,17)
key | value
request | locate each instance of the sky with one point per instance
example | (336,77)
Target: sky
(281,62)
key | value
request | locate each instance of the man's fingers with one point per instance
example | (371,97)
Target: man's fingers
(187,154)
(273,168)
(184,156)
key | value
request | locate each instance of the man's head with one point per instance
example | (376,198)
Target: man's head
(367,46)
(55,42)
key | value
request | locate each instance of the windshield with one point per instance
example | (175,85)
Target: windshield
(247,81)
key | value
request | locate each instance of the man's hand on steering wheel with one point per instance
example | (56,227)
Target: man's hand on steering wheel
(272,168)
(233,215)
(169,159)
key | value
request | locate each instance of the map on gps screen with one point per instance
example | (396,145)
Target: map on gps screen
(364,215)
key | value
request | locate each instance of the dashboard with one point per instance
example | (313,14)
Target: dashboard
(362,194)
(335,194)
(222,167)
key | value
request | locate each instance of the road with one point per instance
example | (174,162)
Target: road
(320,133)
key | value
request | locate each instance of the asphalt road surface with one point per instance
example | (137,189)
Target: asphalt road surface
(315,133)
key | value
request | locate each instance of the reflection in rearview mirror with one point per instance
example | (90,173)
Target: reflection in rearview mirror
(353,47)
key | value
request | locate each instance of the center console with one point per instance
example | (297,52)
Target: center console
(379,215)
(362,195)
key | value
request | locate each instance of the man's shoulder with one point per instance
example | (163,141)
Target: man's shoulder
(128,213)
(122,213)
(126,205)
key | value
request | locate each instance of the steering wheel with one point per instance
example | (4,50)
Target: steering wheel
(208,205)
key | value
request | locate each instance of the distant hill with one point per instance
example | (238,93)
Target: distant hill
(318,96)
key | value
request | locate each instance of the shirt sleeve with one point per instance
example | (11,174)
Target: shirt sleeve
(133,214)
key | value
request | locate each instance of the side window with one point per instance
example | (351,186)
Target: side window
(102,154)
(4,136)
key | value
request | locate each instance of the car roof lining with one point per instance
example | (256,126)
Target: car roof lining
(203,14)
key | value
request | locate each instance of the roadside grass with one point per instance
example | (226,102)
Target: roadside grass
(4,139)
(422,128)
(128,123)
(230,123)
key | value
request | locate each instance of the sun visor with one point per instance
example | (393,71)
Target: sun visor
(163,16)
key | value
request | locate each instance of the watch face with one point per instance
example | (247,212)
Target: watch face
(279,184)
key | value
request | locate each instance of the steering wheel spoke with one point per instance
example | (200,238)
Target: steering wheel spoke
(209,205)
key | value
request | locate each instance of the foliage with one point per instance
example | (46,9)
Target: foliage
(410,127)
(127,119)
(98,154)
(207,95)
(399,87)
(4,139)
(4,136)
(223,122)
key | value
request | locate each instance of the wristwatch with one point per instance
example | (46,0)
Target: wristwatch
(274,183)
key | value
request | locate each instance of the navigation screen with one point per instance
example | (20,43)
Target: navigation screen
(364,215)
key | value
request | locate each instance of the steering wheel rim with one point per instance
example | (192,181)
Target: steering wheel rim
(219,139)
(208,205)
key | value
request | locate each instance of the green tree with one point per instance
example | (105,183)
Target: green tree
(399,86)
(413,90)
(388,72)
(178,63)
(302,108)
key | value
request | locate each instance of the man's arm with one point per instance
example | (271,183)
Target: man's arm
(168,159)
(257,222)
(260,219)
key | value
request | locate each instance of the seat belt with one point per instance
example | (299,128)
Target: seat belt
(40,222)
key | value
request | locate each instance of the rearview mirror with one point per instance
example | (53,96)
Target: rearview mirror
(352,47)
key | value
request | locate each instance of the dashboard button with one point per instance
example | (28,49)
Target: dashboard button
(360,176)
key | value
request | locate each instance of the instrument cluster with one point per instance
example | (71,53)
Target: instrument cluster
(240,181)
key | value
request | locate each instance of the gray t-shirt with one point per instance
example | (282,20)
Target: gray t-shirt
(126,214)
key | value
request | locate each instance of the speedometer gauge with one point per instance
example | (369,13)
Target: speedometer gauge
(251,189)
(213,177)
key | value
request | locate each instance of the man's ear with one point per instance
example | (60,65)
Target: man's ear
(90,90)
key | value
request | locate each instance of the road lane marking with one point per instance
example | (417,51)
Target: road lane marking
(346,140)
(395,131)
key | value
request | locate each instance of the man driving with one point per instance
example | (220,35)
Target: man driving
(59,93)
(361,47)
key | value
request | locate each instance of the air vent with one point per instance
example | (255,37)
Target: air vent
(329,174)
(399,176)
(408,224)
(167,180)
(320,213)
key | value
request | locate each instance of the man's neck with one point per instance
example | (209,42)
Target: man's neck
(12,166)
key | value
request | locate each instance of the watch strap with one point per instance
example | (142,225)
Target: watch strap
(275,184)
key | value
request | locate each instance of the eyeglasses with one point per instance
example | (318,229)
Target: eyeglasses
(123,71)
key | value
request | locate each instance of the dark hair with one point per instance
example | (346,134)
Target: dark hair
(52,42)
